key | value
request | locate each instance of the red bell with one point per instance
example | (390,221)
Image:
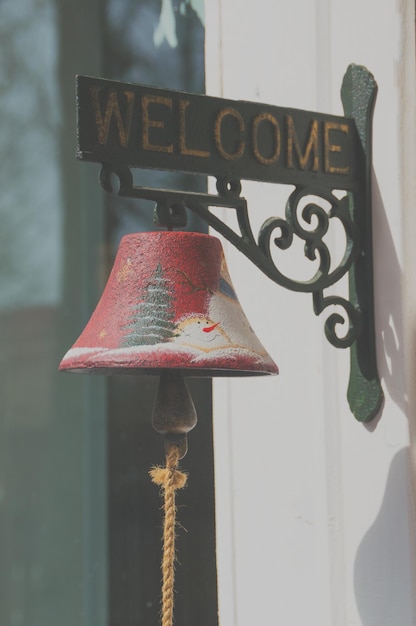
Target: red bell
(169,308)
(169,303)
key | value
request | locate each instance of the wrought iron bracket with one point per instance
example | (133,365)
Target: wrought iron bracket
(312,207)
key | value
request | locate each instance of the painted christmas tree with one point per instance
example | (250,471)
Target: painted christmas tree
(151,320)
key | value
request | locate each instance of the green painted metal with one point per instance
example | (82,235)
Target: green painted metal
(365,395)
(123,126)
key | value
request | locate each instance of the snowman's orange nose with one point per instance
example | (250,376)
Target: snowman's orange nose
(208,329)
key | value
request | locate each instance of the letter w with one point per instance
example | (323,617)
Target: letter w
(112,108)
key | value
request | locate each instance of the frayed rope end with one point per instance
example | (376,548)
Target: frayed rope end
(159,476)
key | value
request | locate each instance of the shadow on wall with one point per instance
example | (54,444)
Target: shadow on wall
(382,571)
(388,303)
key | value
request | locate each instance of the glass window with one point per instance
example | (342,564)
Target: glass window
(80,521)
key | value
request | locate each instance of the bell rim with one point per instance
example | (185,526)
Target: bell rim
(190,372)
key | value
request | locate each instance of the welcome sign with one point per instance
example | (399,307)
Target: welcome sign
(140,126)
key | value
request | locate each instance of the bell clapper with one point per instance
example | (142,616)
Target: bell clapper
(174,415)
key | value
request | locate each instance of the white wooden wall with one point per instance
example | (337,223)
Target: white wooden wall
(315,512)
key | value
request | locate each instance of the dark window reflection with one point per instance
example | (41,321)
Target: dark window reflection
(79,519)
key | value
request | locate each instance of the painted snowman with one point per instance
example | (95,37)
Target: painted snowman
(223,327)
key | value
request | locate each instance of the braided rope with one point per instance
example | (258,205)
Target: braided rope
(170,479)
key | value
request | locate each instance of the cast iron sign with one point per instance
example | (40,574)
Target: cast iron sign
(146,127)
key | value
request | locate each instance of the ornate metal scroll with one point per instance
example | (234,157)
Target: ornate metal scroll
(320,174)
